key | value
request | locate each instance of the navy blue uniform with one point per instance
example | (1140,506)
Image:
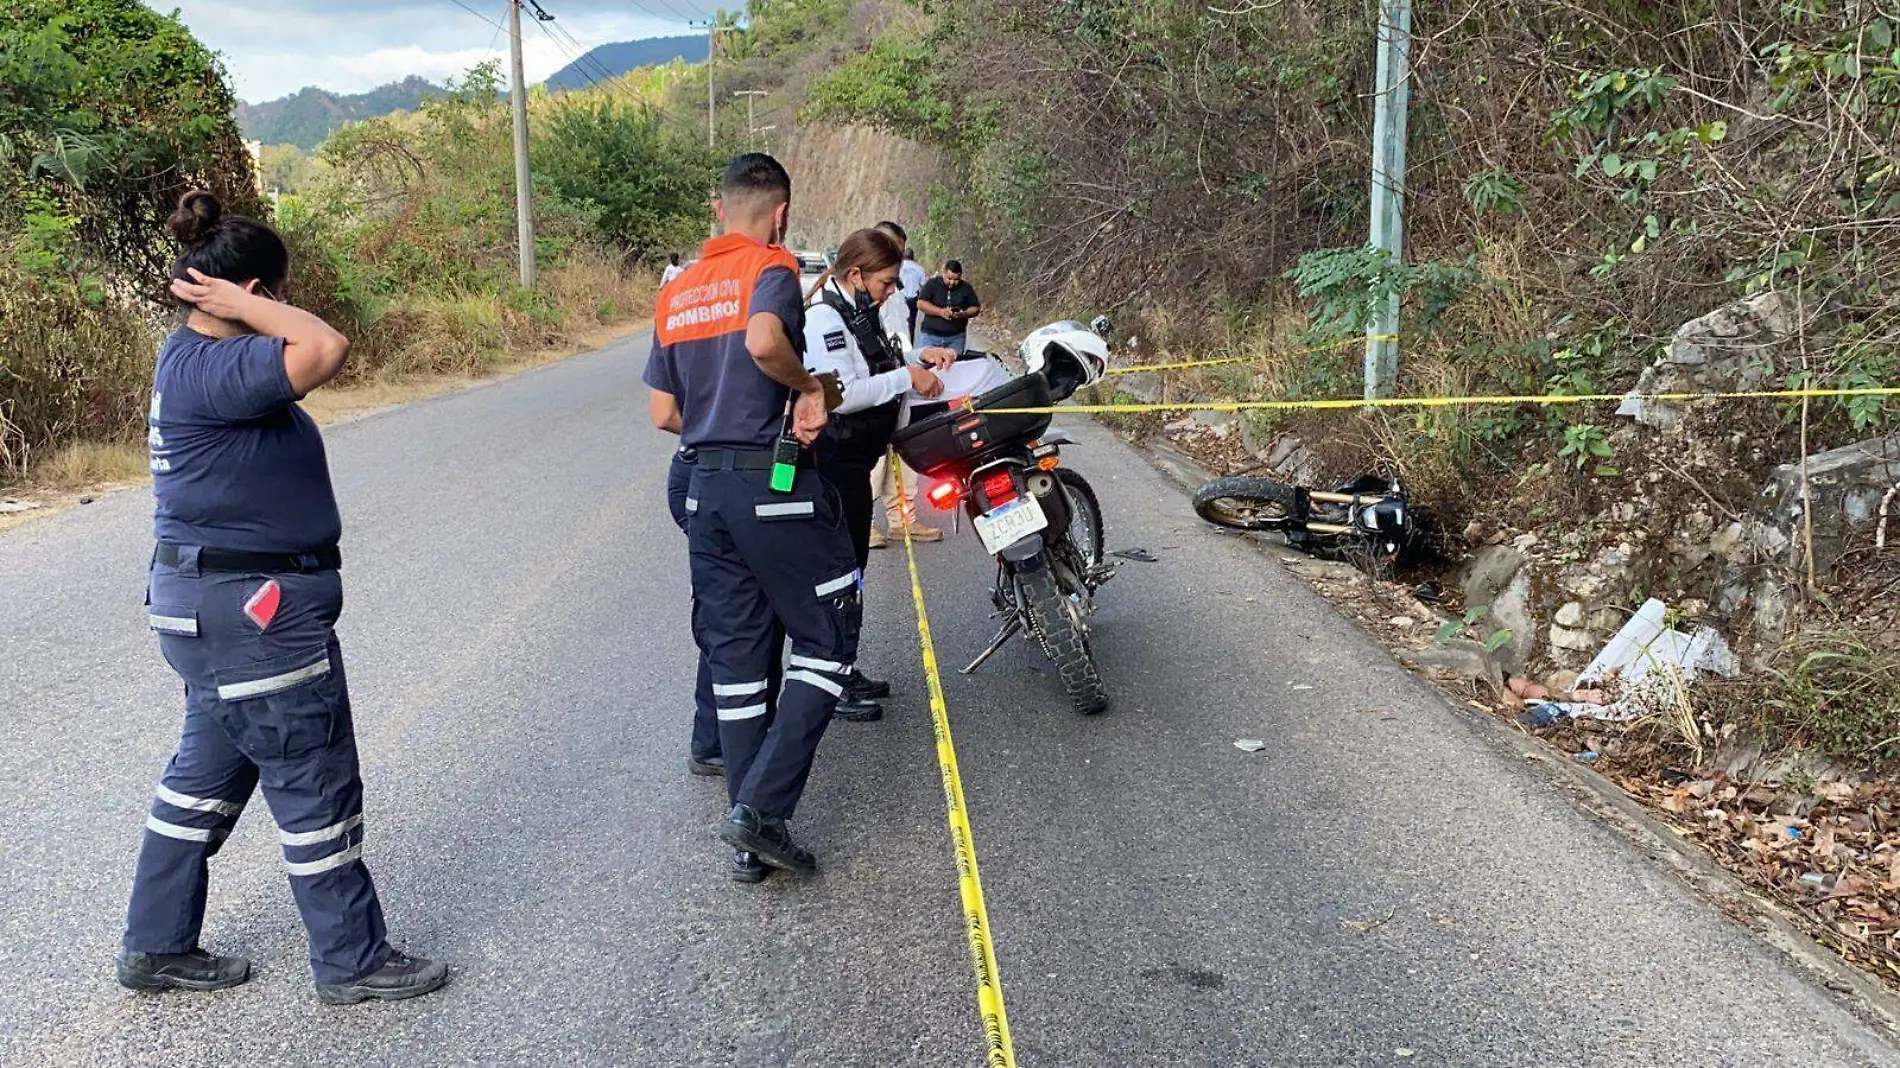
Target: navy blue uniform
(241,479)
(760,559)
(705,740)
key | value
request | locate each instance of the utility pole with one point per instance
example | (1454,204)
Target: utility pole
(1388,183)
(524,185)
(751,121)
(712,121)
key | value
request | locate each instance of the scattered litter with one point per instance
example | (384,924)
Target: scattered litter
(1142,555)
(1647,660)
(1815,878)
(1299,686)
(1250,745)
(1373,924)
(1545,714)
(14,505)
(1429,592)
(85,500)
(1404,1052)
(1588,754)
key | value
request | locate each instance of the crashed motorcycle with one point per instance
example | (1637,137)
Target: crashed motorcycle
(1038,518)
(1368,518)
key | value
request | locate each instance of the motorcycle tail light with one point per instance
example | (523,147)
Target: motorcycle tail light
(999,488)
(944,494)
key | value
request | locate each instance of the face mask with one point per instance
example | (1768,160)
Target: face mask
(861,318)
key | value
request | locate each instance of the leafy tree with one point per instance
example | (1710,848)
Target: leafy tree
(109,111)
(287,168)
(649,182)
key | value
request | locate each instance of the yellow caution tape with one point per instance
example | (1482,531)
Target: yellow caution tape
(999,1051)
(1445,402)
(1185,364)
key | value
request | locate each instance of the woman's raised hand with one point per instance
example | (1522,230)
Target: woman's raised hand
(213,296)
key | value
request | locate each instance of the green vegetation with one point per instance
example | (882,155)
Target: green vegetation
(1838,692)
(1580,174)
(647,180)
(108,112)
(309,115)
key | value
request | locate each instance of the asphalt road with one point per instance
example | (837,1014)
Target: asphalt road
(517,640)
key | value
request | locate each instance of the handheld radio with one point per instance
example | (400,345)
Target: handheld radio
(785,455)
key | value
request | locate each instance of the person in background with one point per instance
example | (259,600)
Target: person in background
(244,594)
(948,303)
(910,279)
(673,268)
(897,487)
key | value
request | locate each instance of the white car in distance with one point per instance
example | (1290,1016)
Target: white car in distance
(810,266)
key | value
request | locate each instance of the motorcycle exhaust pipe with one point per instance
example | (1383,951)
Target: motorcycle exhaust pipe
(1342,498)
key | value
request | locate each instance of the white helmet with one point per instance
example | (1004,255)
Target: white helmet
(1068,354)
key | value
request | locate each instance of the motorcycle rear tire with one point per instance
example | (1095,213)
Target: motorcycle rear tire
(1066,642)
(1247,502)
(1083,506)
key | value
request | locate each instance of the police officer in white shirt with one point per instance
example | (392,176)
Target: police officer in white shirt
(896,485)
(845,334)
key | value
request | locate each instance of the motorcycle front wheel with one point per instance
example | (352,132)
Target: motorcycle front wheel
(1247,502)
(1065,637)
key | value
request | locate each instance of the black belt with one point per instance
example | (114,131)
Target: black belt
(325,559)
(716,459)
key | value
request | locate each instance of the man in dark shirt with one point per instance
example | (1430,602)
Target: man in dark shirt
(768,558)
(948,304)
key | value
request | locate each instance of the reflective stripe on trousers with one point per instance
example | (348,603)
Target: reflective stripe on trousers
(264,706)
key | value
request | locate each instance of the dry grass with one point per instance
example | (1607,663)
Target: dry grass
(58,481)
(88,464)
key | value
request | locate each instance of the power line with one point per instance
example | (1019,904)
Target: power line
(586,55)
(598,76)
(673,14)
(498,26)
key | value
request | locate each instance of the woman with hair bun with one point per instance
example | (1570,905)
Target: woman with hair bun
(244,595)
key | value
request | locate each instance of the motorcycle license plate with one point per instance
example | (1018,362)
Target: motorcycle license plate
(1010,524)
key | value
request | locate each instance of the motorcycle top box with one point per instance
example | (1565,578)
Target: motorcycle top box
(955,437)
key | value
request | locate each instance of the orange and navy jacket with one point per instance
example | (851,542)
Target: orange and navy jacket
(699,354)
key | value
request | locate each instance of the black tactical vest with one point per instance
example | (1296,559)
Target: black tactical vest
(862,437)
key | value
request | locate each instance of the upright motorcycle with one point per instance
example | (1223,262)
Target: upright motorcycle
(1038,518)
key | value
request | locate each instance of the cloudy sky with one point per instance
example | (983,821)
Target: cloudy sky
(276,47)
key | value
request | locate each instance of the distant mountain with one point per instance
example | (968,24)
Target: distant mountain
(613,60)
(307,117)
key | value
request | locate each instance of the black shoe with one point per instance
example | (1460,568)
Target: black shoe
(707,765)
(857,711)
(748,868)
(401,977)
(196,970)
(859,687)
(767,837)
